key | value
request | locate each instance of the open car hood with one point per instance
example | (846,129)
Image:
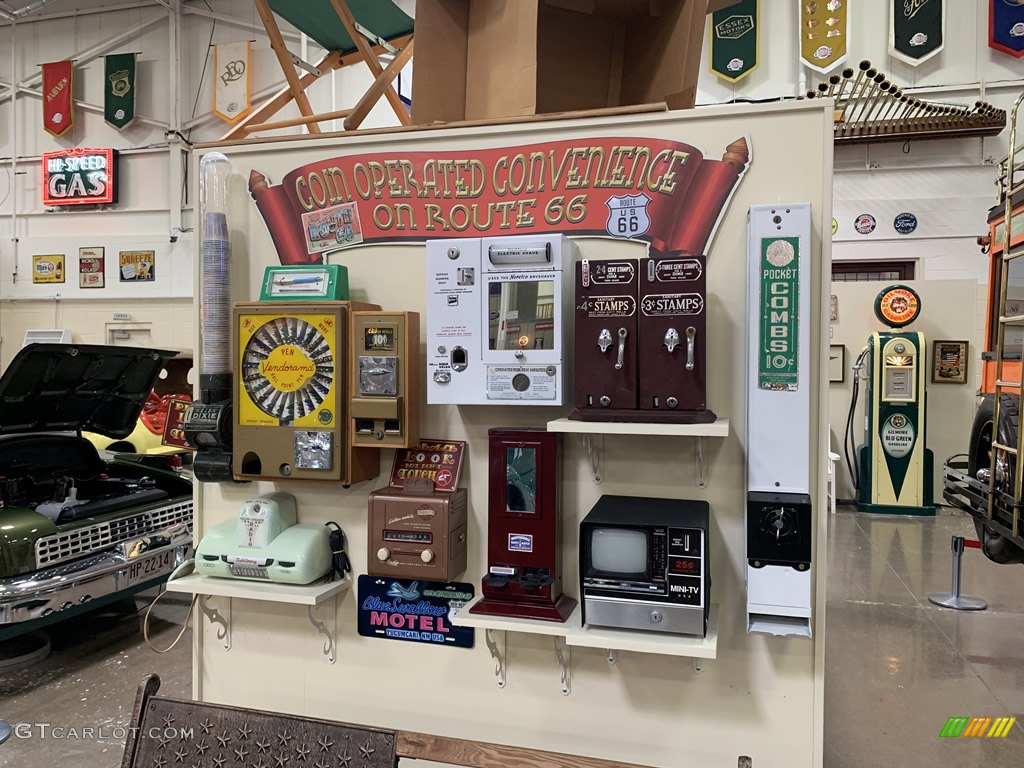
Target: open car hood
(78,387)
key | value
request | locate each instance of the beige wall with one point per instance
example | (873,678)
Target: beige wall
(761,697)
(163,323)
(949,312)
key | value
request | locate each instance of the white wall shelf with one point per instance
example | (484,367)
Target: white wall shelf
(717,428)
(589,429)
(309,595)
(572,633)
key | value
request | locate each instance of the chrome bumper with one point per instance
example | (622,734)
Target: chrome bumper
(43,593)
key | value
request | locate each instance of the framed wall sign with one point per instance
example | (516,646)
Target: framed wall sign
(79,177)
(90,268)
(836,363)
(949,362)
(48,268)
(137,266)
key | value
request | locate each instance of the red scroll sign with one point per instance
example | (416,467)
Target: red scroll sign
(659,191)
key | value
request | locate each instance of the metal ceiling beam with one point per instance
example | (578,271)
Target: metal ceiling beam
(83,57)
(85,12)
(87,107)
(235,21)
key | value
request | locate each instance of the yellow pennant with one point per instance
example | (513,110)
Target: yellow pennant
(824,33)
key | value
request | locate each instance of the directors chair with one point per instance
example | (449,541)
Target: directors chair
(351,31)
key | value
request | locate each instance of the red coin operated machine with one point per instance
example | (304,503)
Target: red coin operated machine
(524,573)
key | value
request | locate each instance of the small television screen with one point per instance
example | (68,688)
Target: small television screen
(618,551)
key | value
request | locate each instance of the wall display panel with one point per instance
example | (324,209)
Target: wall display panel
(762,696)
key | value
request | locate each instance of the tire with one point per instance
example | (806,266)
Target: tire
(996,547)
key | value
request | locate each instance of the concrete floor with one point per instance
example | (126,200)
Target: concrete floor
(897,666)
(95,666)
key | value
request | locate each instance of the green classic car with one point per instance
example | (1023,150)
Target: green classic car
(80,528)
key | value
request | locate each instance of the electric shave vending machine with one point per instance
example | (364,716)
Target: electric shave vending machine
(497,320)
(780,519)
(895,467)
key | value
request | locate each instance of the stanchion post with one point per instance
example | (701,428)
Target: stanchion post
(953,599)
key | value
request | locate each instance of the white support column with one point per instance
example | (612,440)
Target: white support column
(175,175)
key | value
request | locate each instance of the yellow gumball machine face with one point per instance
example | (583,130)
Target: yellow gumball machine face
(289,369)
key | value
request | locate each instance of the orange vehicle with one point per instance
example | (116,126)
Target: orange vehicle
(986,481)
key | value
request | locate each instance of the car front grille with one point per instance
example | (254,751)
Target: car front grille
(70,545)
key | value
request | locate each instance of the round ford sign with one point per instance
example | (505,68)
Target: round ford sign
(905,223)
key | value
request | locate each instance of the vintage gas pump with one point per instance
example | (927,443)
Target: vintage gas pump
(895,467)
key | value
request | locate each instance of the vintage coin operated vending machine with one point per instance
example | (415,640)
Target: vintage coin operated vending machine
(894,465)
(385,379)
(417,532)
(780,519)
(640,353)
(524,541)
(293,410)
(496,320)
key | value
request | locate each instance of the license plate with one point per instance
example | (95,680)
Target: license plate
(149,568)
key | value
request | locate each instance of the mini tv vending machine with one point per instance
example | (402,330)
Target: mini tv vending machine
(894,466)
(780,519)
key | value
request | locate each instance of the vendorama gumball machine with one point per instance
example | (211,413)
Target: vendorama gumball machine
(524,573)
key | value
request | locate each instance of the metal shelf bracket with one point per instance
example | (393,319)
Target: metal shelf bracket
(215,617)
(702,481)
(495,640)
(563,655)
(330,641)
(596,455)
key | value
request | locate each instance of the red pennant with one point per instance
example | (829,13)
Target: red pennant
(58,101)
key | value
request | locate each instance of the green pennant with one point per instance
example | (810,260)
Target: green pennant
(119,89)
(734,37)
(916,29)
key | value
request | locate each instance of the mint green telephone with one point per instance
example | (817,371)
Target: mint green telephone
(266,543)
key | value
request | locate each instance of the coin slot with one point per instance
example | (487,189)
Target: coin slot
(364,426)
(392,427)
(460,360)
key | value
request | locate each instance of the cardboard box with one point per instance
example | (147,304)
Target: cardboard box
(479,59)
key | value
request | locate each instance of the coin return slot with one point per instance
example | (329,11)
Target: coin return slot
(392,427)
(364,426)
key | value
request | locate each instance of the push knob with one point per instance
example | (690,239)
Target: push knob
(427,556)
(383,554)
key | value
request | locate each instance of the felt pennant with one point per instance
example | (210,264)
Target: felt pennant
(1006,26)
(231,93)
(119,90)
(824,33)
(916,29)
(58,100)
(734,40)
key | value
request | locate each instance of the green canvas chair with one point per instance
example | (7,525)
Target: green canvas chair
(351,31)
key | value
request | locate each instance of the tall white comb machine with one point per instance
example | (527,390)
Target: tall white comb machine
(779,515)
